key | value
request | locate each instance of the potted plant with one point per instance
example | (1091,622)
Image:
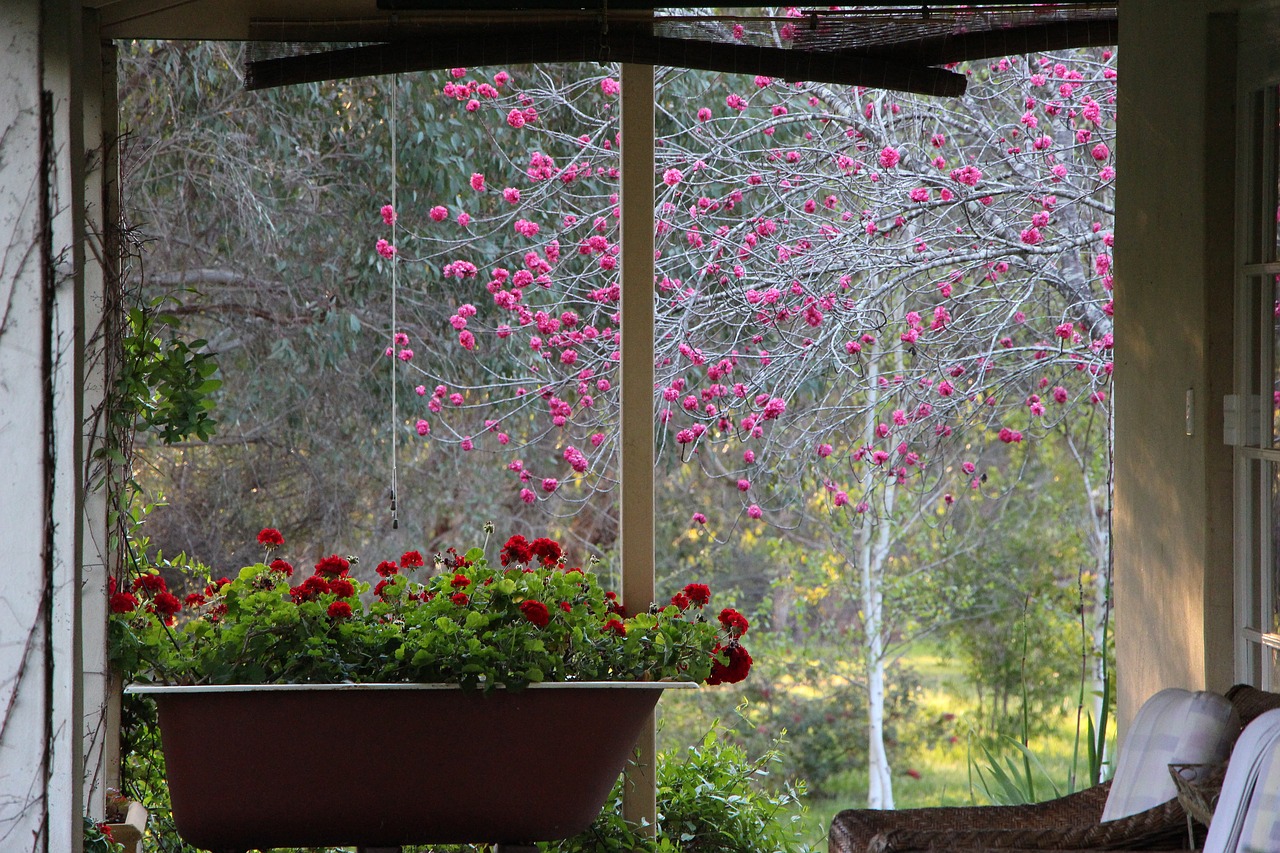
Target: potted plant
(465,701)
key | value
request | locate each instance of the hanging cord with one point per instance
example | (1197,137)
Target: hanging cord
(395,285)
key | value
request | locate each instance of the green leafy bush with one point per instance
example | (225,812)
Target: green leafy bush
(711,799)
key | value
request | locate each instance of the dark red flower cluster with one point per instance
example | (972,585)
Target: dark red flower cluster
(282,567)
(734,622)
(735,670)
(566,607)
(123,602)
(167,605)
(613,605)
(339,610)
(333,565)
(310,589)
(380,588)
(214,587)
(460,598)
(681,601)
(411,560)
(460,581)
(614,626)
(269,538)
(517,550)
(342,587)
(536,612)
(149,584)
(699,593)
(387,568)
(546,550)
(194,600)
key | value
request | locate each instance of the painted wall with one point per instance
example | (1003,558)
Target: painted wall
(1174,334)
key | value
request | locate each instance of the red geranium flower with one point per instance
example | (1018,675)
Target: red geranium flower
(342,588)
(215,587)
(332,565)
(123,602)
(387,568)
(566,607)
(167,604)
(735,670)
(460,598)
(151,583)
(339,610)
(194,600)
(459,581)
(282,567)
(699,593)
(546,550)
(381,587)
(310,589)
(269,537)
(516,550)
(535,612)
(616,627)
(734,622)
(613,605)
(410,560)
(681,601)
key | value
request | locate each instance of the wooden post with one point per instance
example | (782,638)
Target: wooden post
(639,803)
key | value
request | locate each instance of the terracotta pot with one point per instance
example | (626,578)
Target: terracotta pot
(380,765)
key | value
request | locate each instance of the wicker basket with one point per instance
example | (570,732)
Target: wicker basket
(1198,788)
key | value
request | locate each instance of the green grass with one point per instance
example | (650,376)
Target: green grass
(945,769)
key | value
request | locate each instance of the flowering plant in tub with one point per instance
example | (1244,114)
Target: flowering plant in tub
(529,616)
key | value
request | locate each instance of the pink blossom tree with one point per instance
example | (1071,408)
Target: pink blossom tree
(862,297)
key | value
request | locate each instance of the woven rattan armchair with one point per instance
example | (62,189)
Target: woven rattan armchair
(1070,823)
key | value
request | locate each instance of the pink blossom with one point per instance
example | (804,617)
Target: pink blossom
(1059,394)
(744,485)
(515,118)
(388,214)
(550,484)
(889,157)
(464,219)
(405,355)
(671,177)
(749,456)
(704,114)
(1066,331)
(610,86)
(477,182)
(735,102)
(511,195)
(528,496)
(385,249)
(840,498)
(699,518)
(967,175)
(423,428)
(824,450)
(439,213)
(1010,436)
(467,340)
(754,511)
(1100,152)
(919,194)
(421,390)
(1031,236)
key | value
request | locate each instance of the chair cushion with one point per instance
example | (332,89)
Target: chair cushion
(1246,814)
(1174,726)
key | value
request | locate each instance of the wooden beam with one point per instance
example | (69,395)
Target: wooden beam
(451,47)
(636,198)
(1058,35)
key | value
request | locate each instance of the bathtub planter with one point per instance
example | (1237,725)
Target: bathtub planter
(381,765)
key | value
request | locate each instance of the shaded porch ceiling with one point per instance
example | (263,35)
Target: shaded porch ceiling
(881,45)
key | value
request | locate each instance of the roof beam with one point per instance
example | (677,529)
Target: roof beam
(449,48)
(1057,35)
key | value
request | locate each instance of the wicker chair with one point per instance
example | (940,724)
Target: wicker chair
(1070,823)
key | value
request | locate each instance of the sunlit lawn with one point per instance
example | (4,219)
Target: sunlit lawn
(948,772)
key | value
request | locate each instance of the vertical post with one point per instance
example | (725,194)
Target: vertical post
(24,631)
(63,80)
(639,803)
(101,181)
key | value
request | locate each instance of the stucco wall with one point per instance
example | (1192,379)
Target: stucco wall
(1173,332)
